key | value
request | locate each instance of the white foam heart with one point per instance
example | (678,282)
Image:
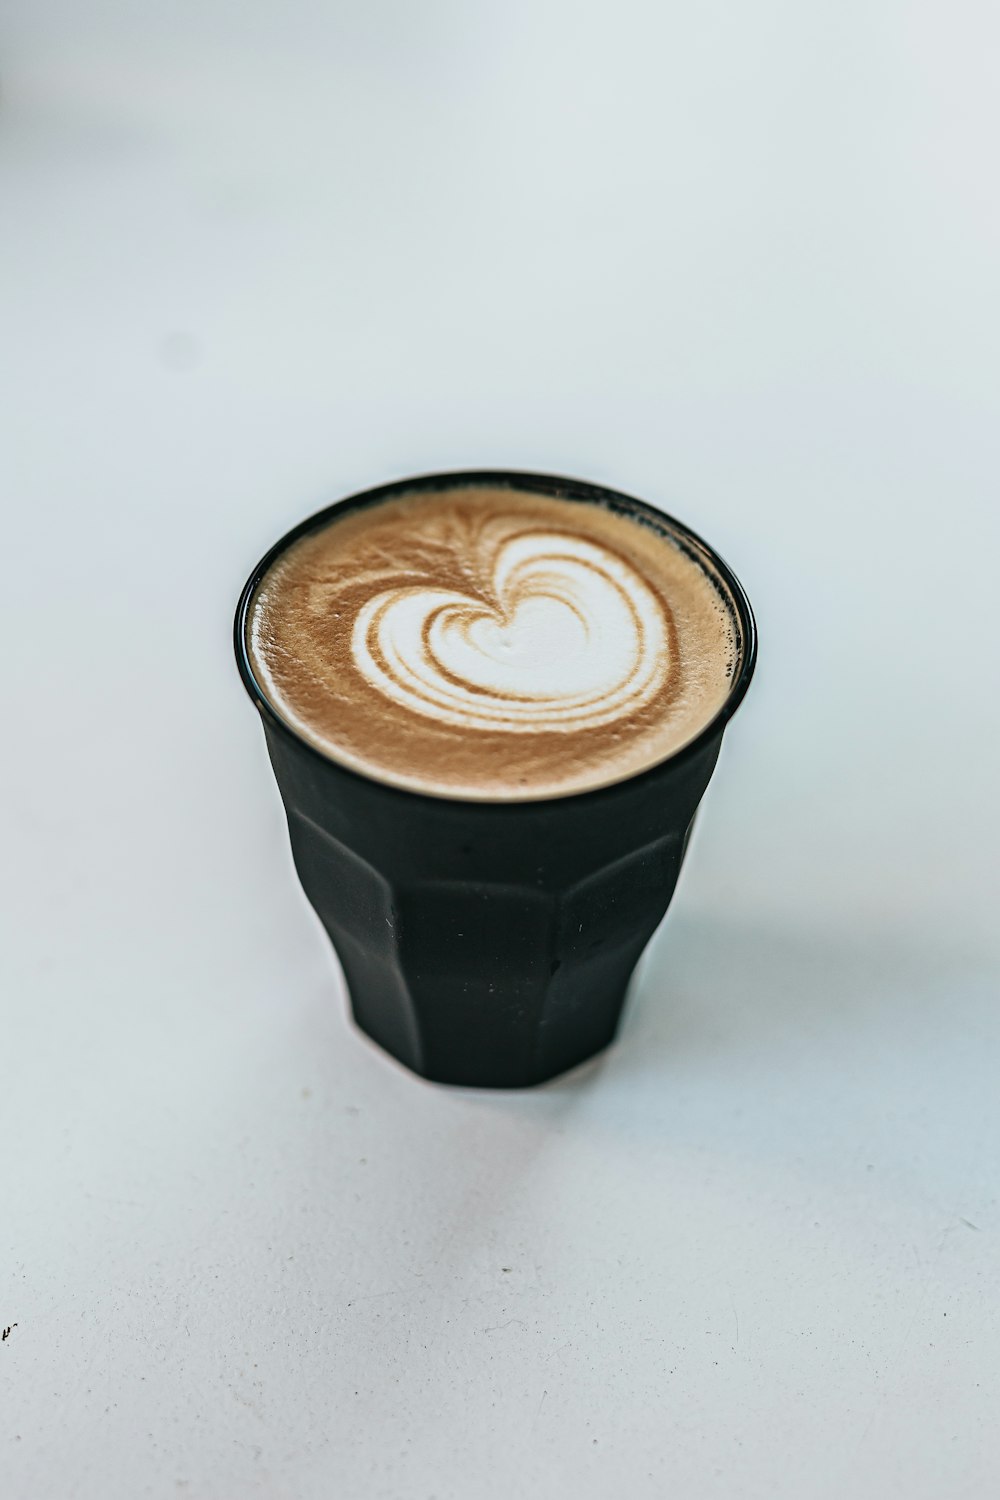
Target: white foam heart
(571,638)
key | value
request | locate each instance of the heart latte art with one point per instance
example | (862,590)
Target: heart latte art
(493,643)
(565,636)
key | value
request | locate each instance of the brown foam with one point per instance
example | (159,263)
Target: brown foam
(304,611)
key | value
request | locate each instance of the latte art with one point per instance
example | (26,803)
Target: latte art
(492,643)
(571,638)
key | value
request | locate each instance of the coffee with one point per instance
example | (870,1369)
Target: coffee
(478,646)
(490,642)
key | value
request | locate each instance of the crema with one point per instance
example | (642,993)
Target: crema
(488,642)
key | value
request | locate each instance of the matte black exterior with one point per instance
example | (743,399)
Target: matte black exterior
(488,944)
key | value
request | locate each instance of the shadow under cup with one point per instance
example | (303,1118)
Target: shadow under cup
(492,943)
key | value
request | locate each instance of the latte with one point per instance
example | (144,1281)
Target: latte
(494,643)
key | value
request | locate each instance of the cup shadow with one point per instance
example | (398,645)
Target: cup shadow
(712,986)
(758,1038)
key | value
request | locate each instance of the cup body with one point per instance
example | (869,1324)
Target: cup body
(488,943)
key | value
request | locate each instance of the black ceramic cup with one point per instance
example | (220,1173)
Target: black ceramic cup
(492,943)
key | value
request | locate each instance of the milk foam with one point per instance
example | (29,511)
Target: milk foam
(492,643)
(572,638)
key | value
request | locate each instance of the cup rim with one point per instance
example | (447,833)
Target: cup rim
(557,487)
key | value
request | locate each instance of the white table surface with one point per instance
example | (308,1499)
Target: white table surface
(740,261)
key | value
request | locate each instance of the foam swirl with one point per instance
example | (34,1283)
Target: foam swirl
(561,634)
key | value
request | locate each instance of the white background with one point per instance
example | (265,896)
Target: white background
(740,260)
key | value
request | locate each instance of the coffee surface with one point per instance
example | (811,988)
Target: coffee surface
(488,642)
